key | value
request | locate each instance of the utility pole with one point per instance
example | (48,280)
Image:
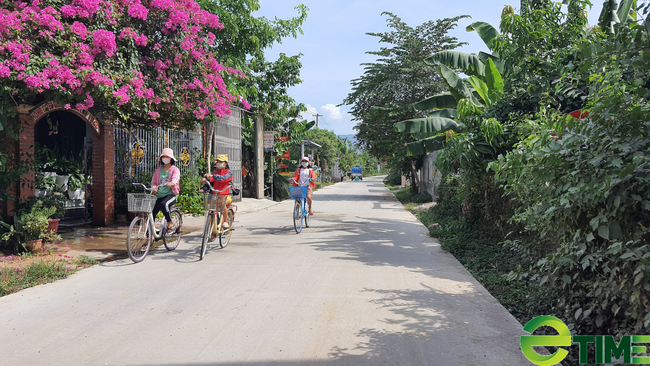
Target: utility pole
(317,115)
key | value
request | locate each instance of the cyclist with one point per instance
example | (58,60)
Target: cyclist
(165,184)
(305,176)
(221,177)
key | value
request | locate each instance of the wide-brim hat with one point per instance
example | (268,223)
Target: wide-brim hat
(169,152)
(304,158)
(222,157)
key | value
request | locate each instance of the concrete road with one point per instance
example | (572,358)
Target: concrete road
(365,285)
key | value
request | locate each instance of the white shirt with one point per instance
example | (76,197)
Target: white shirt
(304,177)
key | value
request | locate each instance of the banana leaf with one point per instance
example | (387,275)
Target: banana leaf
(457,86)
(437,101)
(484,57)
(429,125)
(487,32)
(426,146)
(482,89)
(469,63)
(446,113)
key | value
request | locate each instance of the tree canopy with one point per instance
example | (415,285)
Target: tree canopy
(389,87)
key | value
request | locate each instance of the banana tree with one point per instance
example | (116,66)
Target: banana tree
(467,96)
(614,13)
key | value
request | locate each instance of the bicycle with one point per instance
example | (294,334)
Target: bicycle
(300,209)
(214,220)
(143,229)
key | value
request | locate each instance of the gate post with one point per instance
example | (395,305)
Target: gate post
(259,157)
(104,176)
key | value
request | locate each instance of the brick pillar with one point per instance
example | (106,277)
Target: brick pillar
(104,176)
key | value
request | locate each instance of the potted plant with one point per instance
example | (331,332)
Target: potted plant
(44,184)
(34,225)
(54,204)
(75,185)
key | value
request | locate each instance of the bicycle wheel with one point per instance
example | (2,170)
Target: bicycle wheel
(172,239)
(306,211)
(207,231)
(297,217)
(138,239)
(224,238)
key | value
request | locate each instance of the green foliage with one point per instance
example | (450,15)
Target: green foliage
(581,186)
(33,224)
(393,179)
(51,201)
(389,87)
(189,198)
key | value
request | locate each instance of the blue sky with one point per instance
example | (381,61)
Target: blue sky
(335,41)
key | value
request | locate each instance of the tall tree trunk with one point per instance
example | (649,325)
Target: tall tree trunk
(414,179)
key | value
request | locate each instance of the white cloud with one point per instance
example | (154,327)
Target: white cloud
(332,111)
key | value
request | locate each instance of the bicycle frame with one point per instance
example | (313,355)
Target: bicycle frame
(151,222)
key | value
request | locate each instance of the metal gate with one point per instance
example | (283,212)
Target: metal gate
(227,140)
(137,150)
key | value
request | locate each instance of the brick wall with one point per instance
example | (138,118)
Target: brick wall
(104,176)
(103,168)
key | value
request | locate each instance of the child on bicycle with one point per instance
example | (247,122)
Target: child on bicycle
(165,184)
(221,178)
(305,176)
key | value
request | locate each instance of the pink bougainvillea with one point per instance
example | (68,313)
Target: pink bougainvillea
(99,54)
(104,40)
(138,11)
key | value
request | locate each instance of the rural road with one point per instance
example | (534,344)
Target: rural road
(364,285)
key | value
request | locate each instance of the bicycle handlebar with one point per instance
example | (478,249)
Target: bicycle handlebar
(143,186)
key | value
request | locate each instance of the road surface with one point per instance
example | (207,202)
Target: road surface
(365,285)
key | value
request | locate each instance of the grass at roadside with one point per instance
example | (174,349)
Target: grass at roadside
(483,256)
(21,272)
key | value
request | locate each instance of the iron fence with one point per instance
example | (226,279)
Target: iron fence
(227,140)
(137,150)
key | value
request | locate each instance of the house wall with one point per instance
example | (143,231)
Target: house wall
(430,175)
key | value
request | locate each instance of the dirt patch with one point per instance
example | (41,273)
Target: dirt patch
(23,261)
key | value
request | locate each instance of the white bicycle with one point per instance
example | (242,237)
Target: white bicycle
(142,231)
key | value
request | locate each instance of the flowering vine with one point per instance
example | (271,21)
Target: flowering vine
(148,60)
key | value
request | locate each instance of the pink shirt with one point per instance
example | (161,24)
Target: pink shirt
(174,177)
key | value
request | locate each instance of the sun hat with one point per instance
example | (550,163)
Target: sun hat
(304,158)
(222,157)
(169,152)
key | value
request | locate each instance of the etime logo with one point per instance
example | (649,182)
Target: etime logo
(605,346)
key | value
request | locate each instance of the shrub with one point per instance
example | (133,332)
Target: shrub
(393,179)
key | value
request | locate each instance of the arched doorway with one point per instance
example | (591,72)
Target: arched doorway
(63,156)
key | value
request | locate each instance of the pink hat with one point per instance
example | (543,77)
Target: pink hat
(169,152)
(304,158)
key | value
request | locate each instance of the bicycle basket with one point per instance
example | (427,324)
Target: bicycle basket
(141,202)
(298,193)
(210,202)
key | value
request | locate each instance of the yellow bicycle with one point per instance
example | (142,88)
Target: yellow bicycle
(214,221)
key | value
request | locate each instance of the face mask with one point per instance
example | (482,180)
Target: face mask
(166,160)
(304,164)
(221,165)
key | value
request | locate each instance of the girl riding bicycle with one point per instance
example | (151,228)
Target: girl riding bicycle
(304,176)
(165,184)
(221,177)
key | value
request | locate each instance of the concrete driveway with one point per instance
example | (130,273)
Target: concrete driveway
(365,285)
